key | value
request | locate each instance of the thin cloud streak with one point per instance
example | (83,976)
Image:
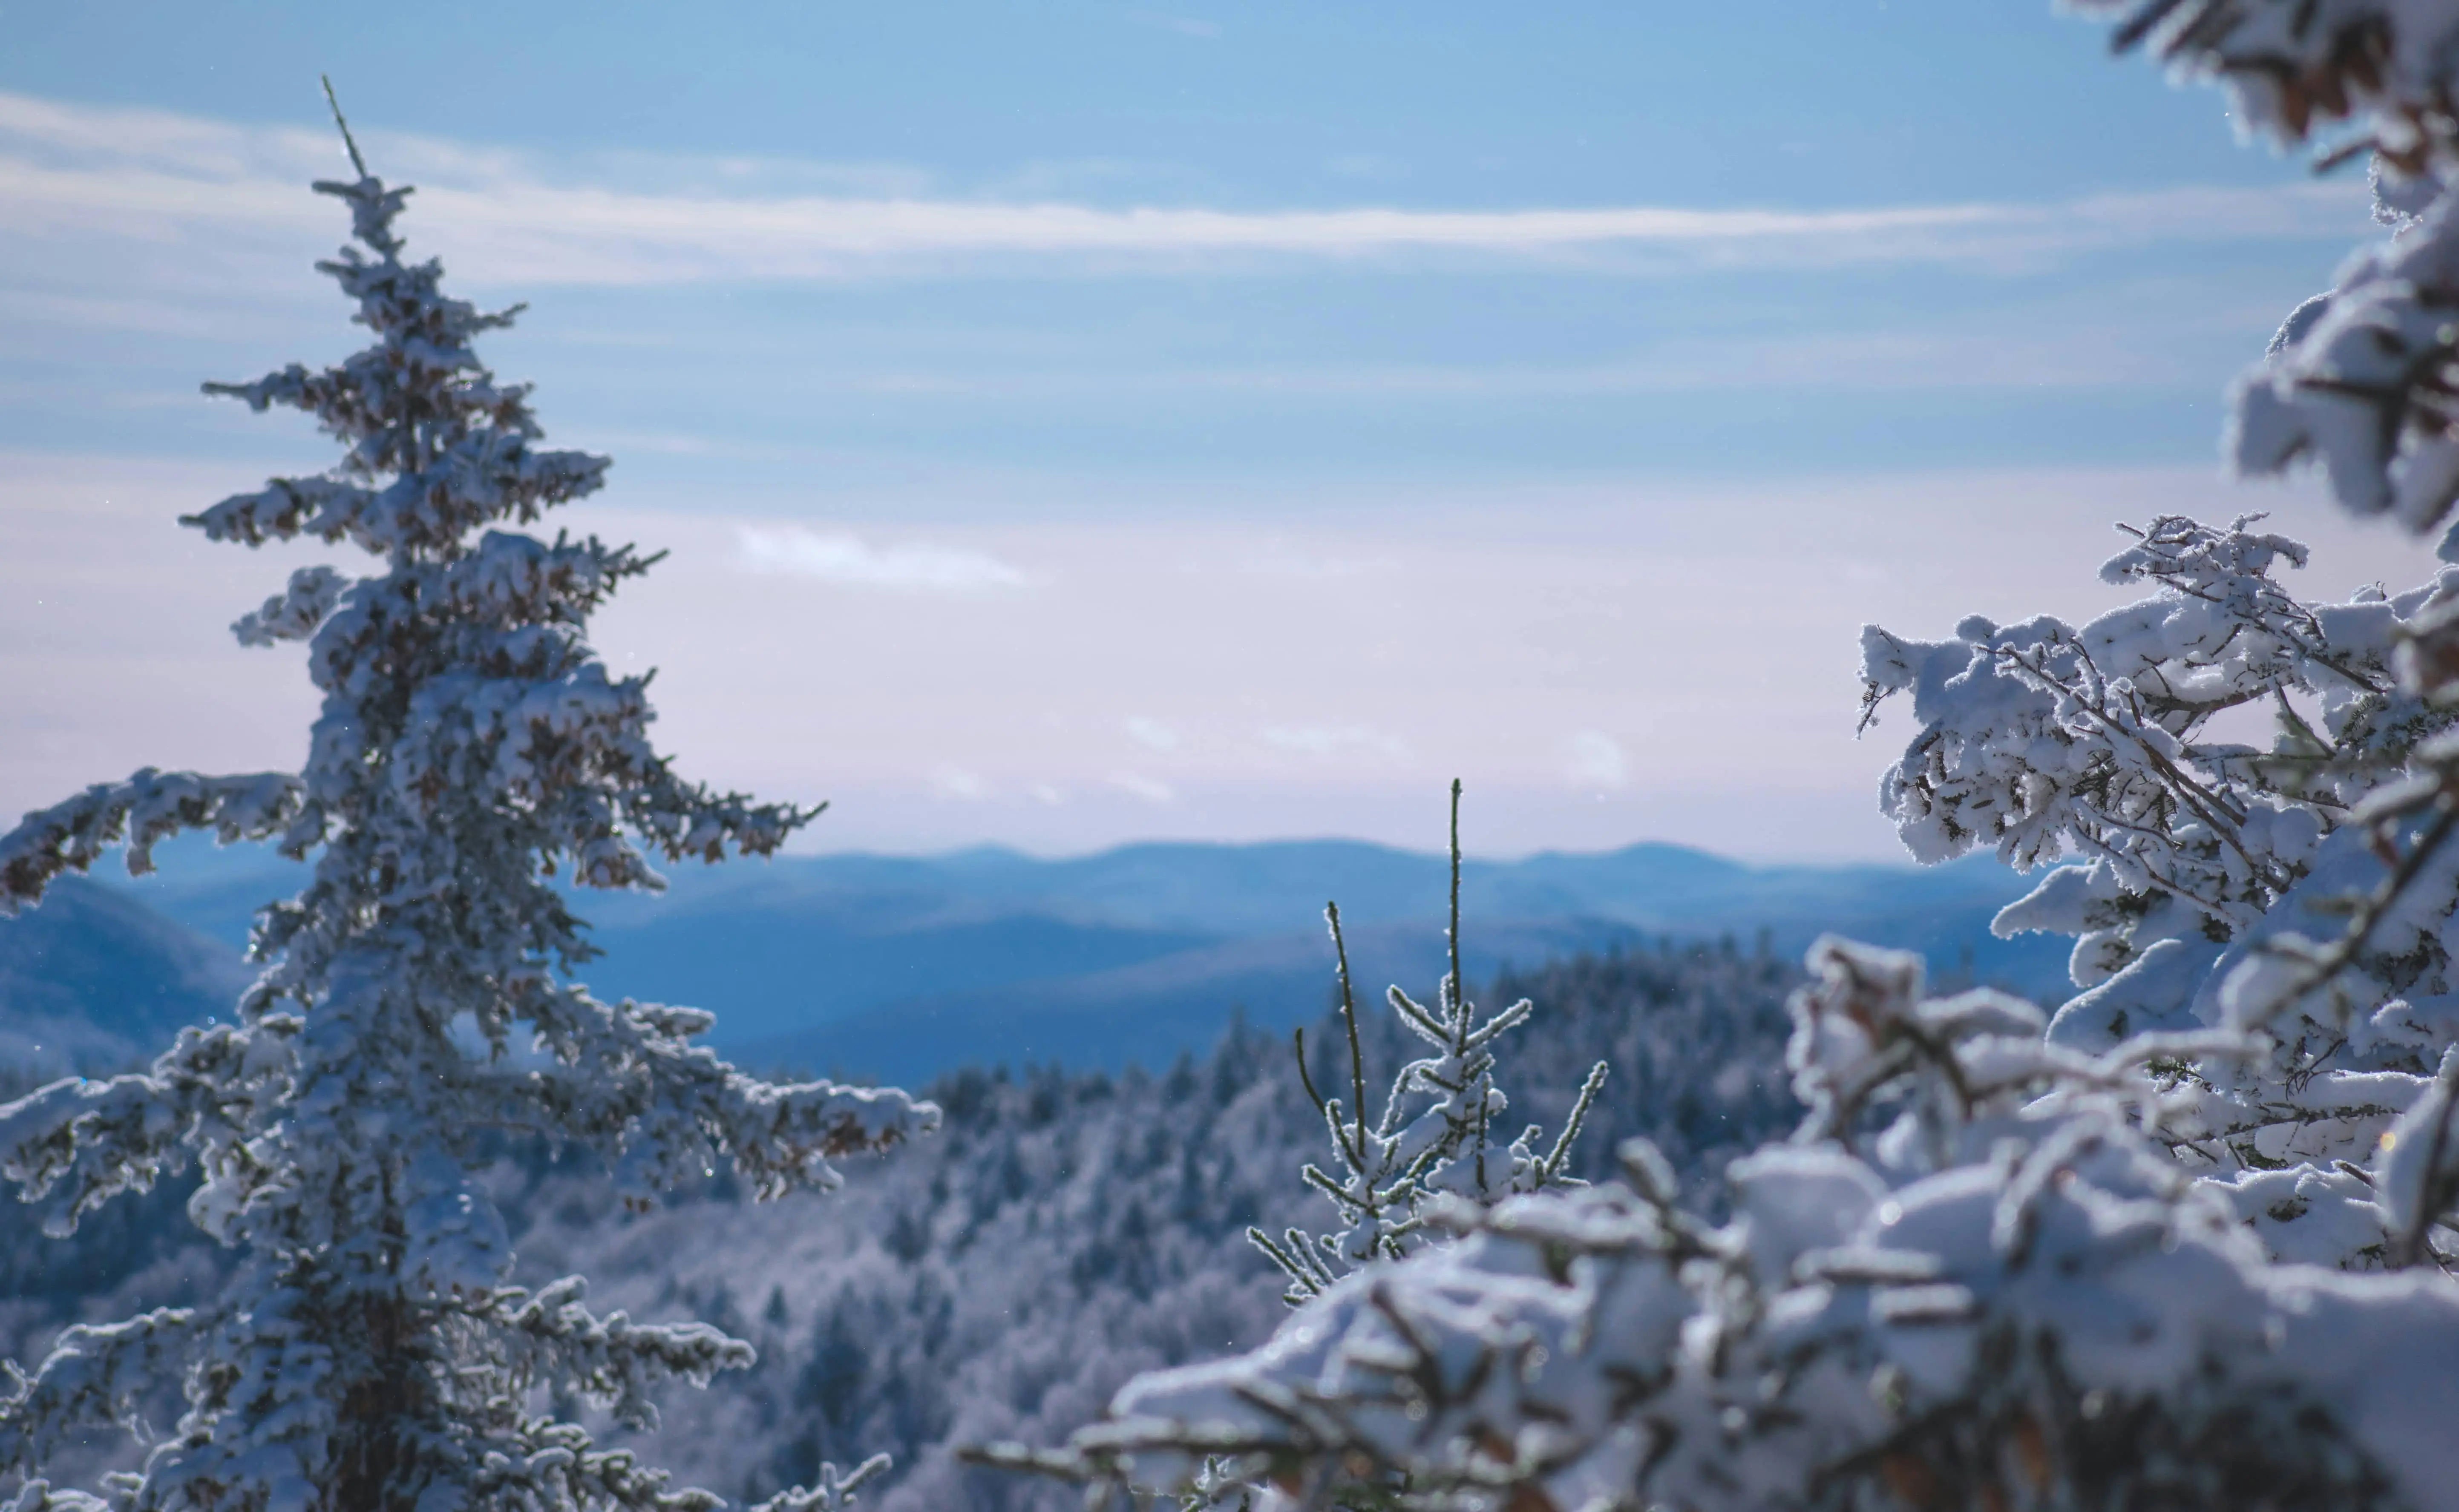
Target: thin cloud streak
(69,171)
(2143,353)
(846,559)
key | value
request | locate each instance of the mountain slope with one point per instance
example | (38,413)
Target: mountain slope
(95,980)
(1150,1012)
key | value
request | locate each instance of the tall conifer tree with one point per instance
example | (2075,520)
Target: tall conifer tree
(417,998)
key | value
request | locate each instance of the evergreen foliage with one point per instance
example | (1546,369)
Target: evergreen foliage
(1436,1135)
(416,999)
(2189,1244)
(1066,1230)
(2203,859)
(1063,1231)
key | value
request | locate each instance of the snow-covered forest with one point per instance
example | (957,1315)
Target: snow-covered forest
(1062,1232)
(1691,1228)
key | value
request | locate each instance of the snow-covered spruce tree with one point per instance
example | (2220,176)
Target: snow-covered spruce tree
(1433,1138)
(416,998)
(2184,1246)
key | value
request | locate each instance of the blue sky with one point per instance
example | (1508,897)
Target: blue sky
(1259,106)
(1085,422)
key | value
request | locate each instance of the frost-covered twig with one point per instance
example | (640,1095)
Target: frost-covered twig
(836,1490)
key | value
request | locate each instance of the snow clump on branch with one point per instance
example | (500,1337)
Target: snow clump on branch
(2362,381)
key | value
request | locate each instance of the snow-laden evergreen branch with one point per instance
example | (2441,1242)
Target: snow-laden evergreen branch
(418,995)
(2362,381)
(2206,865)
(142,812)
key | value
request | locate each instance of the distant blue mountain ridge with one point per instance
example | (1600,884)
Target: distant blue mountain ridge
(899,967)
(95,978)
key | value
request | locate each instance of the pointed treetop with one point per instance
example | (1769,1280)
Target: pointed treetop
(348,142)
(372,205)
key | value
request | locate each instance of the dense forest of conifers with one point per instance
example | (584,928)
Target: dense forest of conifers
(1001,1278)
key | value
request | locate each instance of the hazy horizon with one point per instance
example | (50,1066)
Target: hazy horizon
(1141,424)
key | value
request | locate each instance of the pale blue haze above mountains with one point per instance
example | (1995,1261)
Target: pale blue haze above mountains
(901,966)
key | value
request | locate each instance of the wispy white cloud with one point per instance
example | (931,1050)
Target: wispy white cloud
(1151,789)
(2024,350)
(950,781)
(1595,759)
(843,558)
(74,171)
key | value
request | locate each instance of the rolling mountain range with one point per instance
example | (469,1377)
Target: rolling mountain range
(904,967)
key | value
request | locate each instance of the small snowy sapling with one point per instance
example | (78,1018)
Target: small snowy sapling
(1433,1138)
